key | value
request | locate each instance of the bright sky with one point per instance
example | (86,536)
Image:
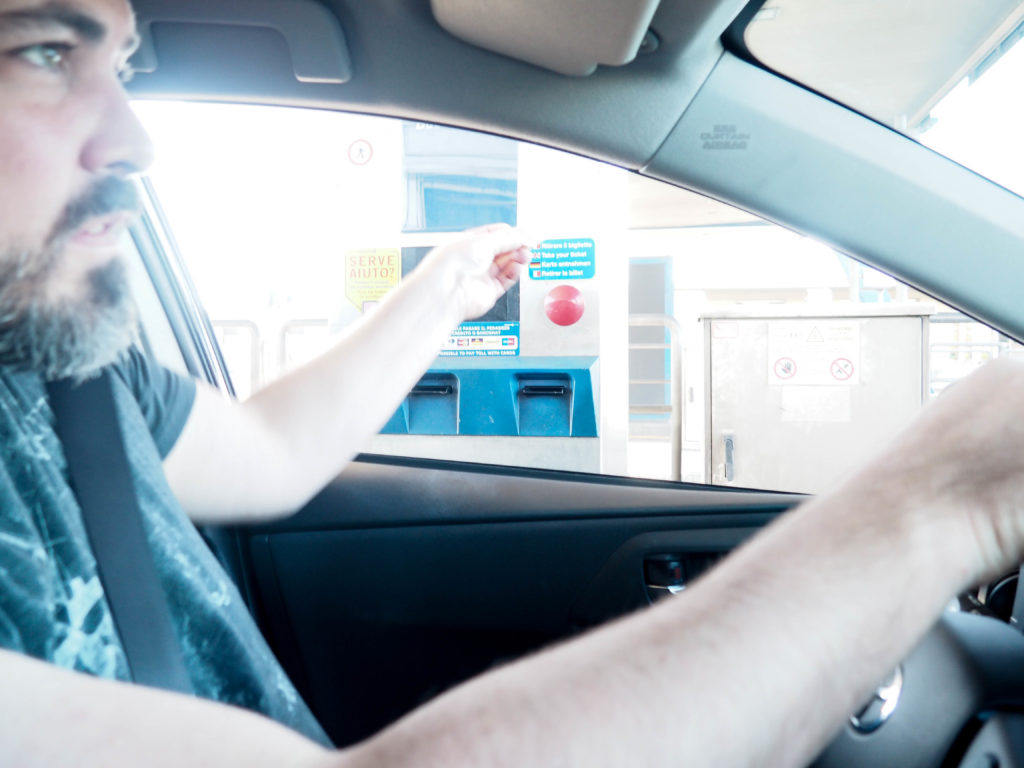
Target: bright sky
(982,125)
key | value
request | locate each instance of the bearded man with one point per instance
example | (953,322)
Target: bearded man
(683,683)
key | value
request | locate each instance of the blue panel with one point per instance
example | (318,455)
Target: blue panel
(564,259)
(433,405)
(398,424)
(543,402)
(545,397)
(486,407)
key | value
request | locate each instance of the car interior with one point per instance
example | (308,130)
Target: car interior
(435,556)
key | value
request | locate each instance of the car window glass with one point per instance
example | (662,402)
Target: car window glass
(156,335)
(656,333)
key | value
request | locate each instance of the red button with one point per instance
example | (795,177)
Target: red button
(563,305)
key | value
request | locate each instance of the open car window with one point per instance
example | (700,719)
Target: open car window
(656,333)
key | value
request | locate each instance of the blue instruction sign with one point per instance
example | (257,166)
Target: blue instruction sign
(570,259)
(483,340)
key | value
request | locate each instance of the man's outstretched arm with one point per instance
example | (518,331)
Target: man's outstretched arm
(818,607)
(269,455)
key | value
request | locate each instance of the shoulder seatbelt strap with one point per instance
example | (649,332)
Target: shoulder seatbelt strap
(88,426)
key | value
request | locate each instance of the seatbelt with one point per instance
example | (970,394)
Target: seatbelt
(88,427)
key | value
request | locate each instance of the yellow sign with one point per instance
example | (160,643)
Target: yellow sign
(370,274)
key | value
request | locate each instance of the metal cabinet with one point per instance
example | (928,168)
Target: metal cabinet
(794,400)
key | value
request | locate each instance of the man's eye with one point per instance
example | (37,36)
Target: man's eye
(50,56)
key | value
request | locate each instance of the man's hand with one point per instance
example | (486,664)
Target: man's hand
(962,462)
(480,266)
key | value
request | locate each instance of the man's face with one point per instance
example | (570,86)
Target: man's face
(67,140)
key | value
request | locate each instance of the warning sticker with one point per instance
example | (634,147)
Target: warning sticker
(785,368)
(563,260)
(842,369)
(370,274)
(814,352)
(483,340)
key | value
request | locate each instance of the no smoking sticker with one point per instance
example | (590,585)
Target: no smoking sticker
(785,368)
(842,369)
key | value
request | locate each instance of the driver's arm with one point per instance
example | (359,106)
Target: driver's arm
(756,664)
(54,718)
(267,456)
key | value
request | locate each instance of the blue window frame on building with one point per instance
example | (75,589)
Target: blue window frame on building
(457,179)
(448,202)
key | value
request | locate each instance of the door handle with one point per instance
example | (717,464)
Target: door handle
(664,575)
(668,573)
(729,442)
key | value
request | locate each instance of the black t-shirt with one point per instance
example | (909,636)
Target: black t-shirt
(52,604)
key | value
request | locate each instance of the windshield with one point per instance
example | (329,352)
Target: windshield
(944,72)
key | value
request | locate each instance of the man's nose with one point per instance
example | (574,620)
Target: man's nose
(119,145)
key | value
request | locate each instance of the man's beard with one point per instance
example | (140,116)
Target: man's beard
(75,335)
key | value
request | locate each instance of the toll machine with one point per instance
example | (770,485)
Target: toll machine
(521,385)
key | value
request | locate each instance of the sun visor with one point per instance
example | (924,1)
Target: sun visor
(315,40)
(568,36)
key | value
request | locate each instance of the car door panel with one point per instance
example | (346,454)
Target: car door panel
(404,578)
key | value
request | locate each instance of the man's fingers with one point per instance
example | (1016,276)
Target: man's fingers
(507,266)
(520,255)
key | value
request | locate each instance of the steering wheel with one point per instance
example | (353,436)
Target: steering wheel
(960,704)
